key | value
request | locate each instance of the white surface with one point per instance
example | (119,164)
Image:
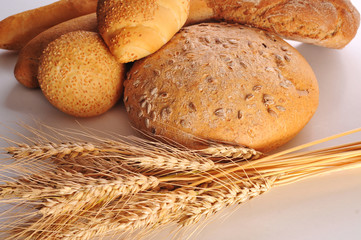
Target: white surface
(325,207)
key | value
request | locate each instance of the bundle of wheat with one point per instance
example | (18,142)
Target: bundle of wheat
(77,189)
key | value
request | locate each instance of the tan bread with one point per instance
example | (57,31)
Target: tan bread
(136,28)
(26,68)
(226,83)
(17,30)
(79,75)
(327,23)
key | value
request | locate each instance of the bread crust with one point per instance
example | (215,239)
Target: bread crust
(26,68)
(19,29)
(327,23)
(79,76)
(224,83)
(134,29)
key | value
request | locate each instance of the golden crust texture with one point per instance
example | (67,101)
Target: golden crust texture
(135,28)
(327,23)
(17,30)
(224,83)
(79,76)
(26,68)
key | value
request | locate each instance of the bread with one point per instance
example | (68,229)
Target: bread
(18,29)
(136,28)
(327,23)
(26,68)
(79,75)
(223,83)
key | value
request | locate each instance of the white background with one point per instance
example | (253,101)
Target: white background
(324,207)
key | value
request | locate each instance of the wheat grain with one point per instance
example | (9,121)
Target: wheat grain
(230,151)
(99,193)
(88,200)
(150,210)
(217,199)
(49,150)
(118,151)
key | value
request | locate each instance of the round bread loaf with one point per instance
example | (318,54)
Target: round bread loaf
(79,75)
(223,83)
(135,28)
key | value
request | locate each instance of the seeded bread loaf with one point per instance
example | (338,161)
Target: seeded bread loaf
(222,82)
(136,28)
(328,23)
(26,68)
(19,29)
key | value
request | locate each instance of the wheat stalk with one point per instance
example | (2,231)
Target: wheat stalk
(185,206)
(50,150)
(91,194)
(124,154)
(230,151)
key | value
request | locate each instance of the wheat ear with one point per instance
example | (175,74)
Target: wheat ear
(185,206)
(230,151)
(122,152)
(183,197)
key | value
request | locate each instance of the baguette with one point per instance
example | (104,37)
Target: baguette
(222,83)
(26,68)
(17,30)
(327,23)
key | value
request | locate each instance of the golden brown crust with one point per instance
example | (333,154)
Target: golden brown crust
(328,23)
(225,83)
(79,75)
(19,29)
(26,68)
(135,28)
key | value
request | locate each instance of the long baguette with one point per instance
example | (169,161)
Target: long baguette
(18,29)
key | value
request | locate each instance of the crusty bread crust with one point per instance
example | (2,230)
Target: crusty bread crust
(327,23)
(26,68)
(19,29)
(226,83)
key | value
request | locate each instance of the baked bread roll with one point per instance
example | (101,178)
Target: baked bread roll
(223,83)
(134,29)
(79,75)
(26,68)
(19,29)
(327,23)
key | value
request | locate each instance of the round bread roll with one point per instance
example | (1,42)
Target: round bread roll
(223,83)
(27,65)
(134,29)
(79,75)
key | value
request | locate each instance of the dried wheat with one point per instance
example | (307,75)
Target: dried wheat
(230,151)
(182,195)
